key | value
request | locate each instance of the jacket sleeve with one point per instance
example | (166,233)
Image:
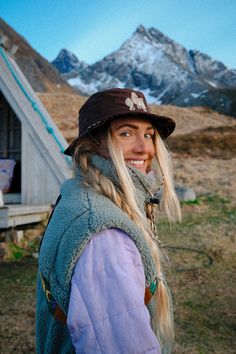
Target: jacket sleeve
(106,312)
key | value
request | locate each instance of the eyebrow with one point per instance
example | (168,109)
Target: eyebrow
(133,126)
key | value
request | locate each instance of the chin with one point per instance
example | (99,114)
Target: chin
(143,170)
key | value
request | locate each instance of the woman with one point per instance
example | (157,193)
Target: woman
(100,285)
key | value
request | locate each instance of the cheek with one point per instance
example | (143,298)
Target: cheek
(152,150)
(125,149)
(122,145)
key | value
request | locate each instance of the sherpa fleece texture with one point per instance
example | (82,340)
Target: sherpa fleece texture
(80,214)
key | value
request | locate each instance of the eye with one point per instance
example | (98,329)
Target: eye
(149,135)
(125,133)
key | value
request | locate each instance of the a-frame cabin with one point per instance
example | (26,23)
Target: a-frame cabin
(31,149)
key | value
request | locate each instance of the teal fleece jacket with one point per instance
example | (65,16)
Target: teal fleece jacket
(78,217)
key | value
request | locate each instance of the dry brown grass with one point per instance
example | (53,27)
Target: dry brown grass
(190,120)
(64,110)
(207,175)
(203,293)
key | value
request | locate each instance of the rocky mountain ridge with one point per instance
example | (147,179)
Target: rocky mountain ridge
(163,69)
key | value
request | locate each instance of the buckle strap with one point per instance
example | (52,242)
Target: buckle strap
(150,291)
(54,308)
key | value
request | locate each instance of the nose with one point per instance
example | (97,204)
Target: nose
(142,145)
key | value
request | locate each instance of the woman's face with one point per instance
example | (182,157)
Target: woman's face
(135,137)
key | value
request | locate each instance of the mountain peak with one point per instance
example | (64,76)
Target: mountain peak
(164,69)
(64,53)
(154,35)
(142,30)
(67,62)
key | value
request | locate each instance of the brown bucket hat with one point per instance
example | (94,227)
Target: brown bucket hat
(105,106)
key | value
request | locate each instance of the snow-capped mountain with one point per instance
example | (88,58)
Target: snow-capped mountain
(153,63)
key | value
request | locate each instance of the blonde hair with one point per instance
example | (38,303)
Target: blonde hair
(124,197)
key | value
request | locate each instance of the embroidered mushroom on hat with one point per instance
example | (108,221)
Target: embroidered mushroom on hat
(135,100)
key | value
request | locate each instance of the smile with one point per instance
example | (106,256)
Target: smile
(135,162)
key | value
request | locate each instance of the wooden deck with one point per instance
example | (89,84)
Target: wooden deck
(22,214)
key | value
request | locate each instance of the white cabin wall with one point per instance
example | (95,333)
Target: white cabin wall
(25,167)
(40,184)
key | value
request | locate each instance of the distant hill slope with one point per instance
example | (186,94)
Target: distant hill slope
(166,71)
(42,76)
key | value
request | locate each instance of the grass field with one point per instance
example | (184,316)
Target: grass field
(201,276)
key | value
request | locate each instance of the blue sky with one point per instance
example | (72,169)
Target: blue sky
(94,28)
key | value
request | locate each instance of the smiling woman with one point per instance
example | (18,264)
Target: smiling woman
(135,138)
(100,287)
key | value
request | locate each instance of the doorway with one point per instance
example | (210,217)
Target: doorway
(10,145)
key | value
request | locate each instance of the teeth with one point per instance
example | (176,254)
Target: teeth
(136,162)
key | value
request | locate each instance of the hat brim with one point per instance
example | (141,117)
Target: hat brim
(164,125)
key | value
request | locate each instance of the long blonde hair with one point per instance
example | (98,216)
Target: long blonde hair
(124,197)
